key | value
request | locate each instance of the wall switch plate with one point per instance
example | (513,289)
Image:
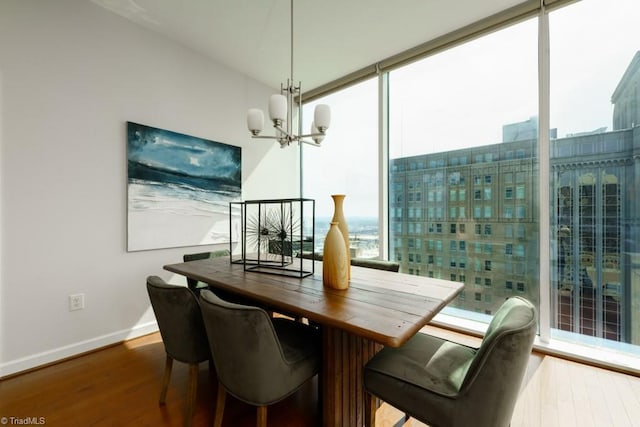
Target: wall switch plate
(76,302)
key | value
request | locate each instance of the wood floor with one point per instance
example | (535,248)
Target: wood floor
(119,386)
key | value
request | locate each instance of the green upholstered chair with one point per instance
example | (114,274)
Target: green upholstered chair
(361,262)
(183,334)
(192,283)
(376,264)
(259,360)
(444,384)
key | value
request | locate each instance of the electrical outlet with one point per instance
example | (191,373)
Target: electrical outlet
(76,302)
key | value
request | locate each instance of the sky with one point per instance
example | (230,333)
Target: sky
(462,97)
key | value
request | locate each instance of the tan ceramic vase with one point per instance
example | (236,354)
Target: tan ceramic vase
(334,260)
(338,216)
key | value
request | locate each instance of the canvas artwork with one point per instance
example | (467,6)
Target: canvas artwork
(179,189)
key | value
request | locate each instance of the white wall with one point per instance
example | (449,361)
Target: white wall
(71,75)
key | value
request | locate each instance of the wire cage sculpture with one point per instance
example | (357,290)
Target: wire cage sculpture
(275,234)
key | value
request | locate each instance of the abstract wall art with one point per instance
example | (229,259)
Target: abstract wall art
(179,189)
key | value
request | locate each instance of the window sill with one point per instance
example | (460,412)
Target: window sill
(618,357)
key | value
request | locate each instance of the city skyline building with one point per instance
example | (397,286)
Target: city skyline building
(471,215)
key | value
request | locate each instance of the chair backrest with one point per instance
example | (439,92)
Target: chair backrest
(247,354)
(193,283)
(491,385)
(179,320)
(205,255)
(376,264)
(361,262)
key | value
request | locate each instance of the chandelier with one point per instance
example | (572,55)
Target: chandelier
(281,113)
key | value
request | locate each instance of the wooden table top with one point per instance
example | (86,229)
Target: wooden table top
(382,306)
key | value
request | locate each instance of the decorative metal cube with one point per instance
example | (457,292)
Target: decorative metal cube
(274,235)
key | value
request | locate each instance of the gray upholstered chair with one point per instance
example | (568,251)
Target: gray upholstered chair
(442,383)
(193,284)
(185,339)
(259,360)
(376,264)
(361,262)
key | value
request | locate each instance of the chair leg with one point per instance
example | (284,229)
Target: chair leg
(370,407)
(191,394)
(220,398)
(165,379)
(261,416)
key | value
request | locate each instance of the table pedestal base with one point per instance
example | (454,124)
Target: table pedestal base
(344,356)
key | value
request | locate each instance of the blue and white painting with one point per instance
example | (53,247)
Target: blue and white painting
(179,188)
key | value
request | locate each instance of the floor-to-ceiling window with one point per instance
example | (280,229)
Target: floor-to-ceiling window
(463,168)
(347,163)
(463,190)
(595,107)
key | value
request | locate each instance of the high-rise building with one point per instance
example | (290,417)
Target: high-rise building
(471,215)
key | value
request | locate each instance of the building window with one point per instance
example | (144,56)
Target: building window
(508,249)
(508,285)
(487,265)
(508,212)
(452,228)
(487,193)
(508,193)
(508,231)
(487,281)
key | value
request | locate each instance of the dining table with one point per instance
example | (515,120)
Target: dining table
(379,308)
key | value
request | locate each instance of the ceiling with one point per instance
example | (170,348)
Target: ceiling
(332,38)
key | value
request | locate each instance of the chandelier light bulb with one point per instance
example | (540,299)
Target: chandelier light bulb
(322,117)
(255,120)
(278,108)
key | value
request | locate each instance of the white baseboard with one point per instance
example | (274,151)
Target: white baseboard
(39,359)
